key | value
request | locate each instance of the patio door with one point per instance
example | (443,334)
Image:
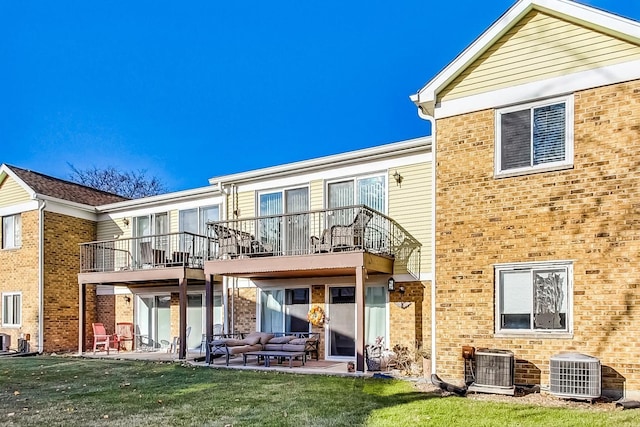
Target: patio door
(151,229)
(153,320)
(288,234)
(284,310)
(341,329)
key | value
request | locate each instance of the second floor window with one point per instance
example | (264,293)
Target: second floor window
(195,220)
(11,231)
(369,191)
(534,137)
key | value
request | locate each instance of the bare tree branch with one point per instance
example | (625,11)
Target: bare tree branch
(131,184)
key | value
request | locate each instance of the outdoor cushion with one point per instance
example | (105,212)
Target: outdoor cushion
(251,340)
(281,340)
(298,341)
(293,347)
(230,342)
(264,337)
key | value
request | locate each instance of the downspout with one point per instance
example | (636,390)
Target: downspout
(432,120)
(41,205)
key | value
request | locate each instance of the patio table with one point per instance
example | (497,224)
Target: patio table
(268,354)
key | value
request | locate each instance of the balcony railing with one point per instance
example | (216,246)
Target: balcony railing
(138,253)
(352,228)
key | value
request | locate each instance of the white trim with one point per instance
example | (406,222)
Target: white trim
(554,86)
(568,128)
(584,15)
(12,293)
(528,266)
(359,157)
(31,205)
(60,207)
(161,198)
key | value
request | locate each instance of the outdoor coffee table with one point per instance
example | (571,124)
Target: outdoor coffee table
(268,354)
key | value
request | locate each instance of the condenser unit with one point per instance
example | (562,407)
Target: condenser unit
(494,372)
(5,342)
(575,375)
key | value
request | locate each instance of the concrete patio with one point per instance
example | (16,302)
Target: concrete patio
(312,366)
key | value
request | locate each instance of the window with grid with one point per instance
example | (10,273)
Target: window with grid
(11,231)
(533,297)
(12,309)
(534,137)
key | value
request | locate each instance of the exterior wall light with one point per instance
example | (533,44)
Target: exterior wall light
(391,284)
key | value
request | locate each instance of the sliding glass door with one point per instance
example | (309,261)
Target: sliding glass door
(285,234)
(284,310)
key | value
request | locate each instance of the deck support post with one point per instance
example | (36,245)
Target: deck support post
(182,348)
(360,318)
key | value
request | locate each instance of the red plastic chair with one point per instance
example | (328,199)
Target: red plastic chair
(101,338)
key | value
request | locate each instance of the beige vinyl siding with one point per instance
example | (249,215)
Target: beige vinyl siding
(174,221)
(246,205)
(11,193)
(316,194)
(107,230)
(540,46)
(410,205)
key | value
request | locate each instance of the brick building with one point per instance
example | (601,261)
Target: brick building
(44,219)
(537,188)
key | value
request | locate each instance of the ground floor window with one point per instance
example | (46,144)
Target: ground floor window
(534,297)
(11,309)
(284,310)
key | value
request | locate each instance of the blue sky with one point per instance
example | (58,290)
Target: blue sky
(192,90)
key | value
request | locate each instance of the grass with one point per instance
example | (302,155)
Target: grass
(68,391)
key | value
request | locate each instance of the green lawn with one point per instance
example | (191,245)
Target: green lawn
(67,391)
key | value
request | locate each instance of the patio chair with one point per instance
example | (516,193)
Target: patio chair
(232,243)
(351,236)
(175,344)
(322,244)
(124,331)
(102,339)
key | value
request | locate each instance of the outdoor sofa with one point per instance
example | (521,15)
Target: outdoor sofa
(237,344)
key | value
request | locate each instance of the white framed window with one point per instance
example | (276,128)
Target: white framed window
(195,220)
(284,310)
(368,190)
(11,309)
(11,231)
(534,297)
(534,137)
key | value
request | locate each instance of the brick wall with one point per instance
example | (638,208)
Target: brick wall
(244,305)
(63,234)
(589,214)
(409,315)
(19,273)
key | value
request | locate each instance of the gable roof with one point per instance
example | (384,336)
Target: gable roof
(45,185)
(568,10)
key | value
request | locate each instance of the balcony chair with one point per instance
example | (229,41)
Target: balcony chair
(102,338)
(350,236)
(343,237)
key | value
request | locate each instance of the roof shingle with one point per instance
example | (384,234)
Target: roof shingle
(65,190)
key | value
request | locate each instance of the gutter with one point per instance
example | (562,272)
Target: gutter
(41,275)
(432,120)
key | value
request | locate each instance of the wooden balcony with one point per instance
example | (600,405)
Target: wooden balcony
(326,242)
(148,258)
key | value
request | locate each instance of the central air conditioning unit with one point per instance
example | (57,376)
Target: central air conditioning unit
(575,376)
(5,342)
(495,371)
